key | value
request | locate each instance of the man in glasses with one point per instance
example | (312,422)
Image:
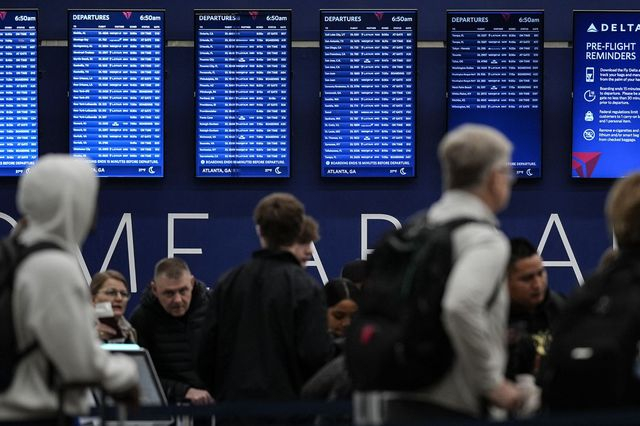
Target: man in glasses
(168,320)
(477,182)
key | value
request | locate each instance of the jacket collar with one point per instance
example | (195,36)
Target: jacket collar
(281,255)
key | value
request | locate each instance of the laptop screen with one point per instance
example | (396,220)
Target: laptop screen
(151,392)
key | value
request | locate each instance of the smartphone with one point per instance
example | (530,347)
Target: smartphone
(104,314)
(113,323)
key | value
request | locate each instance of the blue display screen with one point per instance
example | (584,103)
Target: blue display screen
(495,77)
(606,94)
(116,66)
(368,93)
(18,91)
(243,93)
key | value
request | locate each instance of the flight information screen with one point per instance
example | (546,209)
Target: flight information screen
(368,93)
(117,91)
(243,93)
(18,91)
(495,78)
(606,94)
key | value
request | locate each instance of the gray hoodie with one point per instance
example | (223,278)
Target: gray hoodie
(51,300)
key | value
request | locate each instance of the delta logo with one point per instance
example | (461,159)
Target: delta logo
(506,16)
(379,15)
(619,27)
(127,14)
(583,163)
(253,14)
(3,15)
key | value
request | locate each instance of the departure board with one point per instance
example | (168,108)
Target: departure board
(18,91)
(368,93)
(495,78)
(243,93)
(117,91)
(606,94)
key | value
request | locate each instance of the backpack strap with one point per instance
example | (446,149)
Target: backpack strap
(494,295)
(455,223)
(26,251)
(419,223)
(451,225)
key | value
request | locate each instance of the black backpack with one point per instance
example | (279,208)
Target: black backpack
(11,254)
(397,340)
(593,359)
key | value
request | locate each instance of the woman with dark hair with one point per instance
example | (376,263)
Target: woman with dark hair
(332,381)
(111,287)
(341,295)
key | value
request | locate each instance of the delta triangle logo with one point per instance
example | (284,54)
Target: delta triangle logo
(127,15)
(592,29)
(3,14)
(253,14)
(583,163)
(379,15)
(506,16)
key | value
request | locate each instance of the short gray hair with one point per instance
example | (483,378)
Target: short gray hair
(172,267)
(468,152)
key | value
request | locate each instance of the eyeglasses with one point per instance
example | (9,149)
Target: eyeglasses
(112,292)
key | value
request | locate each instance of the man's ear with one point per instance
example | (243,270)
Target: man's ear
(154,289)
(258,232)
(493,181)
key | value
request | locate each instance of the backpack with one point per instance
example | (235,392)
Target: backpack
(594,347)
(397,340)
(11,254)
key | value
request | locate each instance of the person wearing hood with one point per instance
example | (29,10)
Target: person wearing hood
(51,301)
(168,320)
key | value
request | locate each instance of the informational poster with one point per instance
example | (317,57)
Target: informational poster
(368,93)
(116,93)
(495,78)
(18,91)
(606,94)
(243,98)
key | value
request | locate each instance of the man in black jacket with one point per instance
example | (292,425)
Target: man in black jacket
(533,309)
(266,330)
(169,320)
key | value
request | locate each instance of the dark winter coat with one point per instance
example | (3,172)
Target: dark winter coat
(530,336)
(266,331)
(172,341)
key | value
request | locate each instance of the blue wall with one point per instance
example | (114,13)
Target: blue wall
(573,207)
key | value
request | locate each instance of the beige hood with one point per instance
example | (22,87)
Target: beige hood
(58,196)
